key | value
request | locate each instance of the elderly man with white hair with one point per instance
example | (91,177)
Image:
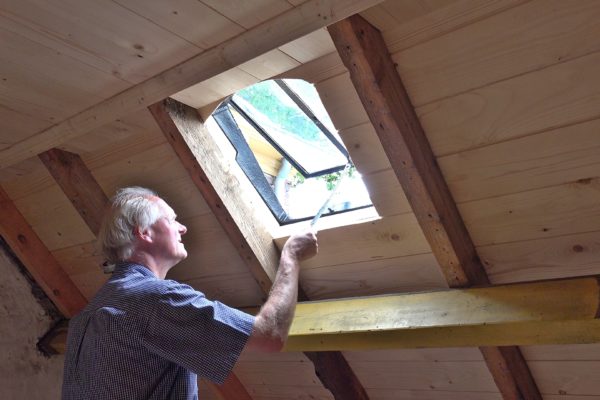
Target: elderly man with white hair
(147,337)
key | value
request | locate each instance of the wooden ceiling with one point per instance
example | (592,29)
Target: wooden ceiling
(507,94)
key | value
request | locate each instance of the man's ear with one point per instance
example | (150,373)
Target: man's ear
(144,235)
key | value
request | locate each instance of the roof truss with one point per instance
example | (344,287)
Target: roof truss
(372,70)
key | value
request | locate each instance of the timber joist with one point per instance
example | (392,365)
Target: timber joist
(551,312)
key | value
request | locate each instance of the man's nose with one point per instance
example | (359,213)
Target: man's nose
(182,229)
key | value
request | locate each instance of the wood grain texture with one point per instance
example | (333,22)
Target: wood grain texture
(499,47)
(385,100)
(271,34)
(384,97)
(38,260)
(78,184)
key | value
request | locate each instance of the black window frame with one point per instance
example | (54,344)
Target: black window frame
(249,164)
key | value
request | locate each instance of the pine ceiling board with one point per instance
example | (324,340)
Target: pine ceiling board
(567,377)
(210,253)
(237,290)
(452,376)
(215,88)
(317,70)
(294,374)
(548,258)
(83,264)
(24,49)
(36,81)
(248,13)
(17,172)
(269,64)
(396,394)
(579,352)
(135,133)
(525,38)
(15,124)
(158,169)
(453,16)
(386,193)
(279,392)
(103,35)
(560,95)
(394,236)
(388,15)
(365,148)
(341,102)
(407,355)
(554,211)
(309,47)
(189,19)
(35,177)
(53,218)
(382,276)
(545,159)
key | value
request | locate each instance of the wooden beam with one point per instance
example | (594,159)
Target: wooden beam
(563,311)
(208,168)
(38,260)
(551,312)
(78,184)
(382,93)
(388,106)
(286,27)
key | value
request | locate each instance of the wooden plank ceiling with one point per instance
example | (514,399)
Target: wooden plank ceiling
(508,98)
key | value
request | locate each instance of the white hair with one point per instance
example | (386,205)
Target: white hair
(131,208)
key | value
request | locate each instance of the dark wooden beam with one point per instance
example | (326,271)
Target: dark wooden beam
(78,184)
(388,106)
(204,161)
(38,260)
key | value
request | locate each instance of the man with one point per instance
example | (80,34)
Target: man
(145,337)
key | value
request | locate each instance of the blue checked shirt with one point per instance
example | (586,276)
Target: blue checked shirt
(146,338)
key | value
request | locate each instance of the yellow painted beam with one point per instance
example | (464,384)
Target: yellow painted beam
(552,312)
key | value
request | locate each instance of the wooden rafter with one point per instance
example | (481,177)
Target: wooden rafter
(88,198)
(388,106)
(38,260)
(288,26)
(202,158)
(78,184)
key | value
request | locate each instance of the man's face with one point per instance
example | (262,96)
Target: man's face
(166,236)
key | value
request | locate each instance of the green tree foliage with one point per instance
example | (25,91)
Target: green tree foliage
(287,116)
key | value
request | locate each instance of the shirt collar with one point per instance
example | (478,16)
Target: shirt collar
(125,268)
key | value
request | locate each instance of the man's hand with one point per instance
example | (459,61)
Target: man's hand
(272,323)
(301,246)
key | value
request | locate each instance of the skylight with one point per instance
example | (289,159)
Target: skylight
(288,147)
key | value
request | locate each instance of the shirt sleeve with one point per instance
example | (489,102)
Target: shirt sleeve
(203,336)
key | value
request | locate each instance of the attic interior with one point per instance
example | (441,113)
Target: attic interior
(473,123)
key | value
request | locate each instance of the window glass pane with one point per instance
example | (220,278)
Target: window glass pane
(273,110)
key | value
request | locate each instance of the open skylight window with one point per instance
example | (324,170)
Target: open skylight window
(288,147)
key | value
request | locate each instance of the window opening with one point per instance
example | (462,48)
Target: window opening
(289,120)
